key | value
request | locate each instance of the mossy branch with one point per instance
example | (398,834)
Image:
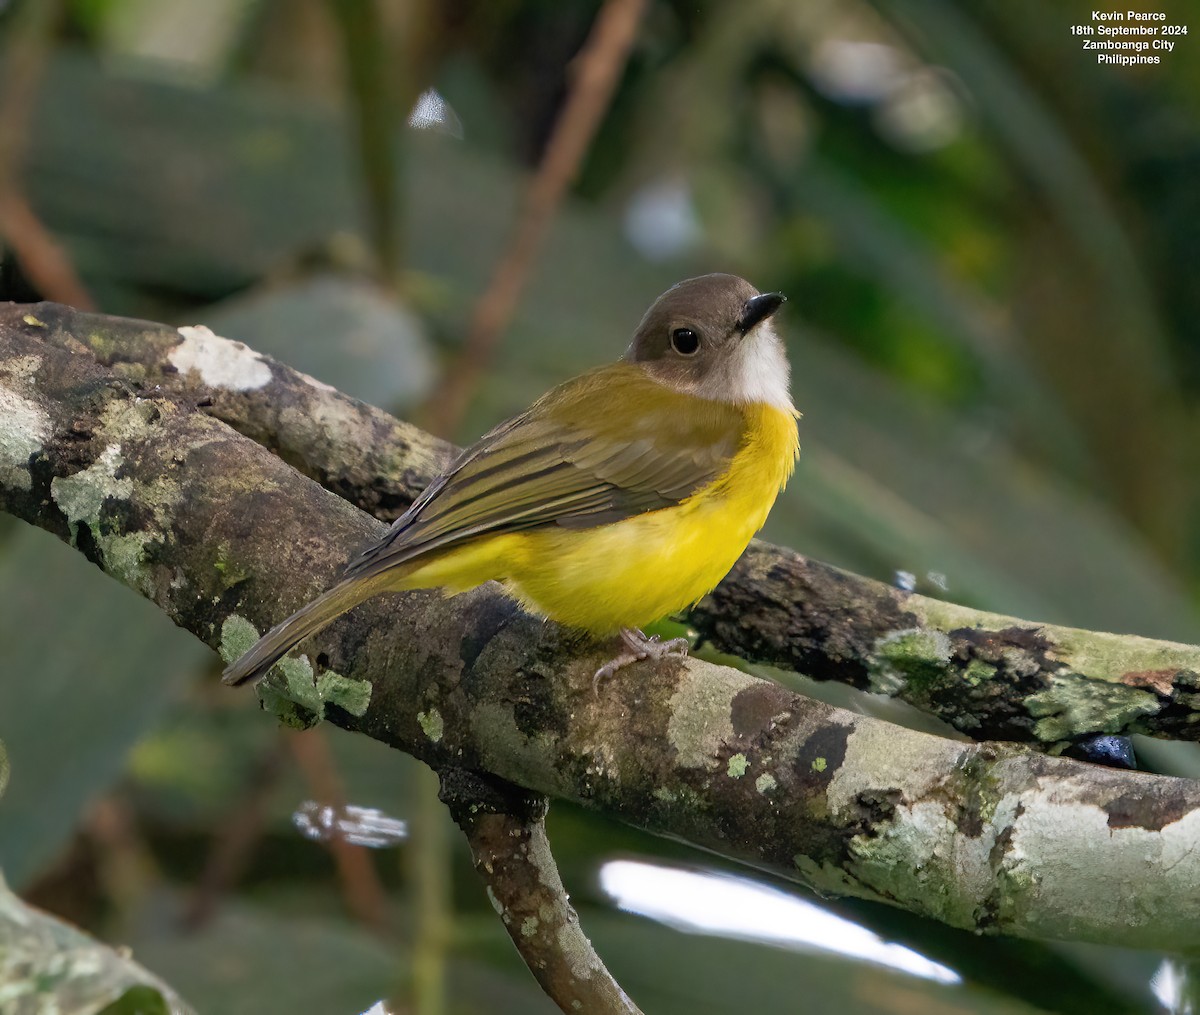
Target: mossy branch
(988,676)
(227,539)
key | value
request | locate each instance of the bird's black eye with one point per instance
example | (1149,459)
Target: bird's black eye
(685,341)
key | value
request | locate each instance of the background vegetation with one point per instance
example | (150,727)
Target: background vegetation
(989,247)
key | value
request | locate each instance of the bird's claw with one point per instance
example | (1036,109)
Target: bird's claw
(636,647)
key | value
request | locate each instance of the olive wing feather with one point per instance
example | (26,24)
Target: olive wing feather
(573,459)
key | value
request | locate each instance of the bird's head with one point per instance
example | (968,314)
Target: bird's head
(713,337)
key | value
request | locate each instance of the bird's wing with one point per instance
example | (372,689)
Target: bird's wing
(605,446)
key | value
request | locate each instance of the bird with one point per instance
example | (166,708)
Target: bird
(616,499)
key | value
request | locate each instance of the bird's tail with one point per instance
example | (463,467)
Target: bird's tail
(310,619)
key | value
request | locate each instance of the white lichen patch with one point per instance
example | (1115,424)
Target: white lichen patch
(880,754)
(26,428)
(220,362)
(1056,852)
(922,859)
(81,496)
(502,746)
(583,962)
(529,926)
(701,712)
(765,783)
(917,854)
(1027,858)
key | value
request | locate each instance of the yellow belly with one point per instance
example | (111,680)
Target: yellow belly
(638,570)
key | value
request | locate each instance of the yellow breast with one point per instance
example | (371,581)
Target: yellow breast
(638,570)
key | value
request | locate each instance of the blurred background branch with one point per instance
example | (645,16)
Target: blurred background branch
(27,47)
(594,75)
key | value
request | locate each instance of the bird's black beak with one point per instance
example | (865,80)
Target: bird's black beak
(758,309)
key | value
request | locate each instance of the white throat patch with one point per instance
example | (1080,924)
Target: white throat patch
(757,371)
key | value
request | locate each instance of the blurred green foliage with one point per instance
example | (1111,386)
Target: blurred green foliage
(989,245)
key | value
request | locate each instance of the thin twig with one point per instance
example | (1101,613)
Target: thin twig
(596,71)
(506,829)
(430,879)
(42,258)
(364,892)
(125,863)
(240,832)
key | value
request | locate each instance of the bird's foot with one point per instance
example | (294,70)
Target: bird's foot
(635,646)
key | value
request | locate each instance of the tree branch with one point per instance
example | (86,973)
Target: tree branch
(227,539)
(506,830)
(987,675)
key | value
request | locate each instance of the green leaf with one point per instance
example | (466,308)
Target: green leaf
(248,961)
(88,668)
(139,1000)
(47,965)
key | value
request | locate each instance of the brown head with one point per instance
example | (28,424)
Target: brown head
(712,337)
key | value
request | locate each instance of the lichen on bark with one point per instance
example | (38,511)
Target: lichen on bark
(990,837)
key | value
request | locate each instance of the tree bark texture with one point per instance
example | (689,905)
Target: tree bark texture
(120,459)
(989,676)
